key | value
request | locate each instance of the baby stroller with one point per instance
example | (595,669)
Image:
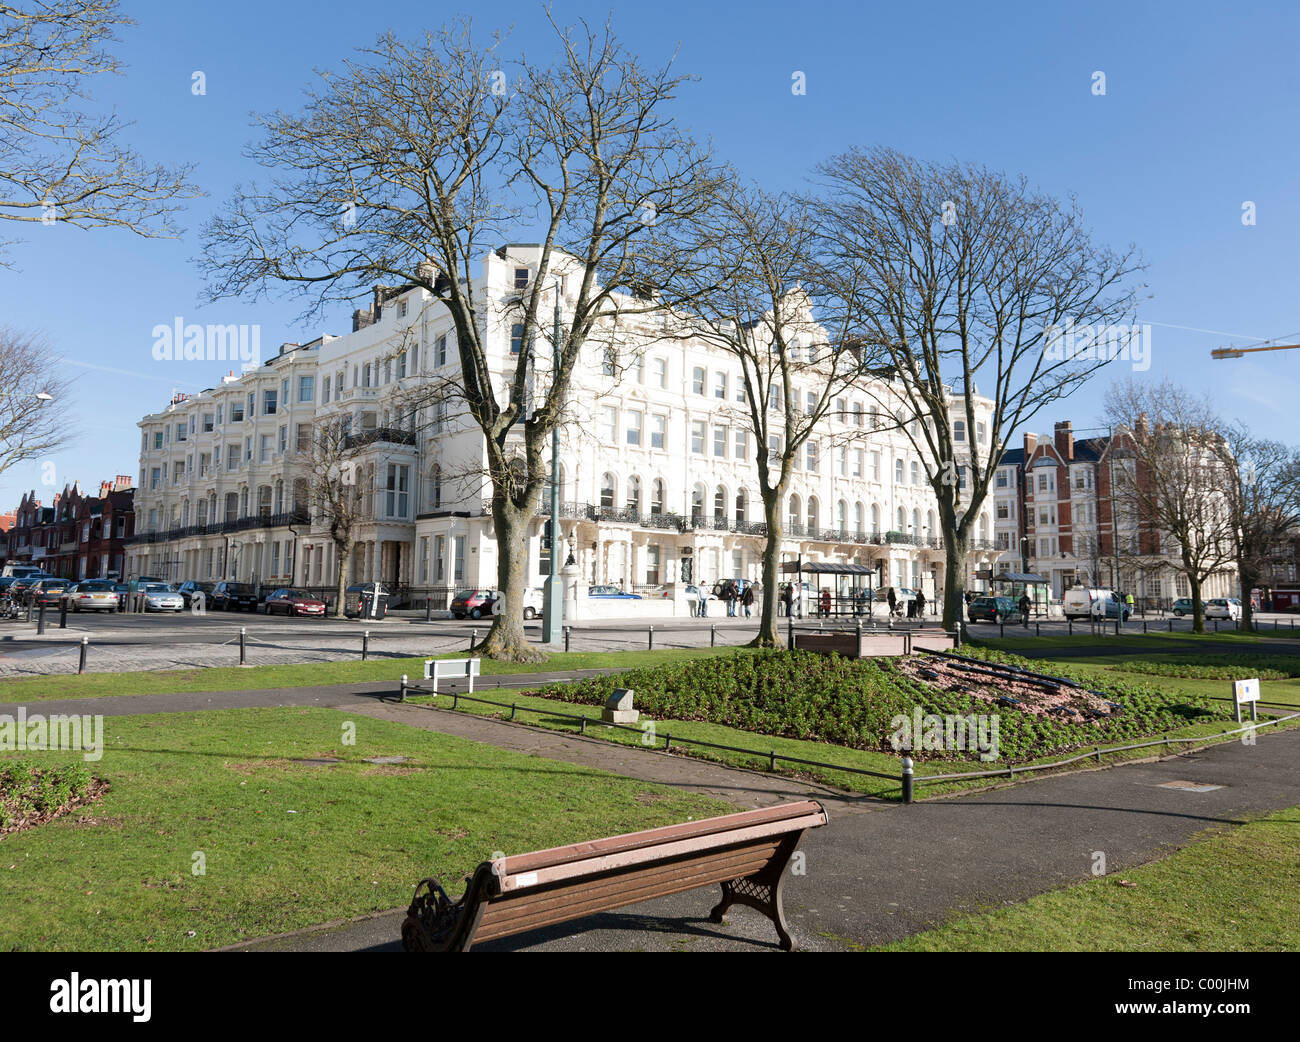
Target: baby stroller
(11,607)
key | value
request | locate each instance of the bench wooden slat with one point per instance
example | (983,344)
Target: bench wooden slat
(539,859)
(528,911)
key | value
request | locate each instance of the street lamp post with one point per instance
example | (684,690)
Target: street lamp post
(553,594)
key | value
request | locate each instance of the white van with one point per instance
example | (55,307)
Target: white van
(1080,602)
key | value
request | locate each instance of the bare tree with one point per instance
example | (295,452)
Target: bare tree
(34,400)
(1263,493)
(1171,467)
(409,164)
(954,273)
(58,162)
(336,494)
(749,256)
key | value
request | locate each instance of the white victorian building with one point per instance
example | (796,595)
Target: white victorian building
(657,464)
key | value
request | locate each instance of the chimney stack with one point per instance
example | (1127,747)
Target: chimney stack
(1031,443)
(1063,436)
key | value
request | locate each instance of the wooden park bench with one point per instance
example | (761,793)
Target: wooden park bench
(747,853)
(438,668)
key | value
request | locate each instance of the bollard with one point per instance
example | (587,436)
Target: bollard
(1038,629)
(81,662)
(957,633)
(1144,626)
(40,619)
(403,696)
(63,613)
(1070,623)
(907,779)
(121,603)
(1171,625)
(473,639)
(243,653)
(650,639)
(789,635)
(566,638)
(1216,625)
(428,610)
(1002,629)
(713,635)
(1117,627)
(365,645)
(859,627)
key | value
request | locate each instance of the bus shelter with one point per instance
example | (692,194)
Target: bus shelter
(850,589)
(1015,584)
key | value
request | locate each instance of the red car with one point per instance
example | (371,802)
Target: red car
(474,603)
(293,602)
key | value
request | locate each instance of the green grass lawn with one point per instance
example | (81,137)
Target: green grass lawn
(251,678)
(1130,636)
(287,844)
(1230,890)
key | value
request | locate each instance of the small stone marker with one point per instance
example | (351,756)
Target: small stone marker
(618,709)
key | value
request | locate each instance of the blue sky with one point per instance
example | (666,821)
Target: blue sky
(1199,117)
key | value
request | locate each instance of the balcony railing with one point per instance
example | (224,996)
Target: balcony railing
(390,435)
(241,524)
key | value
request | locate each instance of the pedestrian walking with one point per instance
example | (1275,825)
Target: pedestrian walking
(920,605)
(747,600)
(1024,609)
(704,600)
(893,602)
(826,603)
(729,591)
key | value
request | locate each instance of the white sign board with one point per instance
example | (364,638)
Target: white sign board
(1245,690)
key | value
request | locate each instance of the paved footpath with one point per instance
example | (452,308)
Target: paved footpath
(878,872)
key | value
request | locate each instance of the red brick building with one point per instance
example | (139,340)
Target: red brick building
(78,536)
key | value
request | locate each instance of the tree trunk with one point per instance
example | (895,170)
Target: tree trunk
(767,634)
(954,580)
(1247,577)
(1198,608)
(506,640)
(340,588)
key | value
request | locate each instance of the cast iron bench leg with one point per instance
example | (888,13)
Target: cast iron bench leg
(762,892)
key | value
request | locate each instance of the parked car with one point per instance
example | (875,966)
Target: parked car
(25,571)
(188,589)
(472,603)
(615,592)
(1223,608)
(231,596)
(740,585)
(994,609)
(1183,606)
(1080,602)
(293,602)
(21,588)
(161,597)
(49,592)
(93,595)
(534,598)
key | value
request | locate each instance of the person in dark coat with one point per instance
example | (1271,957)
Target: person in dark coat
(893,601)
(788,596)
(1024,609)
(920,604)
(747,600)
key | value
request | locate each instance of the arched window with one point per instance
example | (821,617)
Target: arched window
(607,491)
(984,526)
(813,519)
(279,497)
(243,501)
(857,518)
(842,517)
(916,524)
(742,506)
(634,494)
(264,501)
(299,495)
(697,503)
(875,518)
(929,522)
(720,504)
(796,513)
(657,497)
(902,520)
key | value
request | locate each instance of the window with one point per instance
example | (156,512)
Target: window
(263,448)
(458,555)
(516,343)
(652,564)
(634,495)
(898,472)
(607,492)
(220,410)
(303,437)
(306,388)
(439,558)
(275,557)
(609,424)
(875,466)
(155,477)
(232,457)
(180,432)
(610,364)
(812,457)
(207,422)
(396,496)
(979,431)
(657,496)
(284,440)
(916,473)
(659,369)
(521,278)
(284,391)
(633,425)
(857,464)
(811,409)
(958,430)
(1004,511)
(742,444)
(697,380)
(1045,482)
(720,386)
(697,437)
(640,369)
(774,397)
(268,403)
(440,351)
(1001,480)
(720,437)
(658,425)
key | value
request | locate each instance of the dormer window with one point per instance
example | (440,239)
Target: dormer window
(521,278)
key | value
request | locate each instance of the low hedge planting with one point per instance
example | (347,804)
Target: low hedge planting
(854,703)
(31,795)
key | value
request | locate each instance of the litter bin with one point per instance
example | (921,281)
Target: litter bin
(366,601)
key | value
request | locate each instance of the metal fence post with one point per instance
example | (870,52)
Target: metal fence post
(473,639)
(243,653)
(403,696)
(63,613)
(428,609)
(713,635)
(566,638)
(650,638)
(81,662)
(365,645)
(40,619)
(907,779)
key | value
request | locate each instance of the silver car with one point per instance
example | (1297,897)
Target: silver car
(161,597)
(93,595)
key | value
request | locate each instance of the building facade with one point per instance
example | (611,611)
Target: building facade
(78,536)
(1057,515)
(657,463)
